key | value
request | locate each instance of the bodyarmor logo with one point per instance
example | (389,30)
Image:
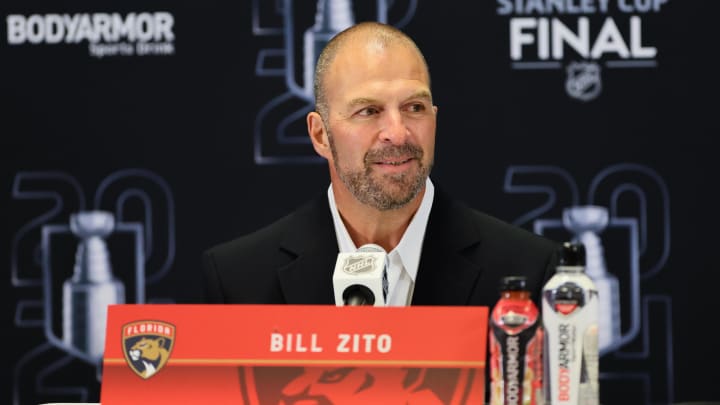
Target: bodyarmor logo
(147,346)
(107,34)
(543,34)
(513,319)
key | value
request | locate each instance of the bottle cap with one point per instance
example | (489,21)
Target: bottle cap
(513,283)
(571,254)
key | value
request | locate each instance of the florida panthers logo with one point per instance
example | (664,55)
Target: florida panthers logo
(147,346)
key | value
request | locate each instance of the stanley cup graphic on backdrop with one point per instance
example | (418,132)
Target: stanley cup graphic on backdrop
(332,16)
(586,223)
(92,286)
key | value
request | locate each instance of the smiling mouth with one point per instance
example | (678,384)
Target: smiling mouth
(394,162)
(394,155)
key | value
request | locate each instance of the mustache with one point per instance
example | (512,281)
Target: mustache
(406,150)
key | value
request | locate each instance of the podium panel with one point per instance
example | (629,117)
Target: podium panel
(289,354)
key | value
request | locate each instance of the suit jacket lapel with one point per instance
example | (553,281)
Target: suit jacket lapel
(446,276)
(311,243)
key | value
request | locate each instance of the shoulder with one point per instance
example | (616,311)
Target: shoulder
(493,241)
(496,247)
(474,223)
(502,233)
(270,237)
(245,269)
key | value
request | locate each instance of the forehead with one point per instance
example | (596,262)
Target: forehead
(366,64)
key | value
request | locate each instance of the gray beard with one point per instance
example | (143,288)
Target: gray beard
(375,193)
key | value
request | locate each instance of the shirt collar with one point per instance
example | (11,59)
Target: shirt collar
(410,245)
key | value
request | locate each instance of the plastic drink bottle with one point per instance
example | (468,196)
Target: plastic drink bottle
(570,320)
(516,365)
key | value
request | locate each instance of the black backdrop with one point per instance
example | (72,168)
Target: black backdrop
(202,139)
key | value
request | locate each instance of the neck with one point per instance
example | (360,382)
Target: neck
(366,224)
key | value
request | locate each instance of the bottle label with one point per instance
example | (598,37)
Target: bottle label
(516,346)
(570,316)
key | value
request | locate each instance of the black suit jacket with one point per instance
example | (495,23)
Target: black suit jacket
(465,254)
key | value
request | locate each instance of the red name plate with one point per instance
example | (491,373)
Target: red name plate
(286,354)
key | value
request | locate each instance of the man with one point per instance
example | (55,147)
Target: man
(375,124)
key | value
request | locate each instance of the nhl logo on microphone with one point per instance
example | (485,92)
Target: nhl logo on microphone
(359,264)
(360,277)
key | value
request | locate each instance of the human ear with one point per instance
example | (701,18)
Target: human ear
(318,134)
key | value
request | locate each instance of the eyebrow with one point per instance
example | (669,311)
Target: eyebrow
(366,100)
(361,101)
(421,94)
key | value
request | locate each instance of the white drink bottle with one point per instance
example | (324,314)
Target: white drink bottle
(570,319)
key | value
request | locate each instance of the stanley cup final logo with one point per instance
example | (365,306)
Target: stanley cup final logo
(582,36)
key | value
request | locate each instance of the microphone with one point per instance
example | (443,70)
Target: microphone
(360,277)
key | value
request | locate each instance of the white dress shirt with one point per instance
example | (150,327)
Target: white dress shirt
(405,258)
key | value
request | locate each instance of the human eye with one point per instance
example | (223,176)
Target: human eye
(368,111)
(416,107)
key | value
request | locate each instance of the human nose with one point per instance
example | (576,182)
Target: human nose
(394,129)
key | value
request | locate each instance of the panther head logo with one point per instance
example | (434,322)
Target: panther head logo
(147,346)
(345,385)
(319,385)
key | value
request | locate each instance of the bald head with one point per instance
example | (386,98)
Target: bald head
(368,33)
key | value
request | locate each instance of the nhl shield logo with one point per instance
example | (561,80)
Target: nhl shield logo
(359,264)
(583,80)
(147,346)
